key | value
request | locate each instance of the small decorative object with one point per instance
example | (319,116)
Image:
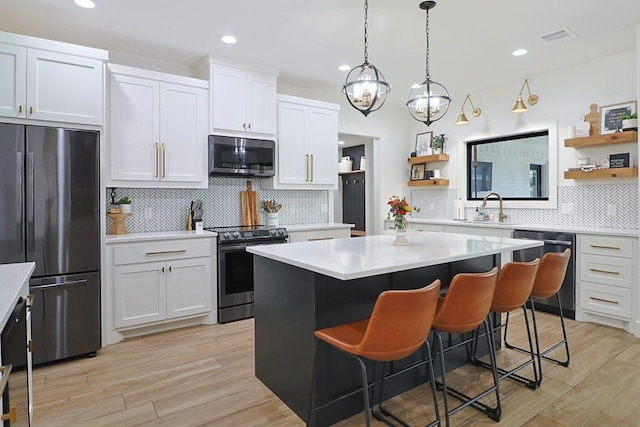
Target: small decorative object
(413,154)
(114,207)
(423,143)
(363,163)
(437,144)
(272,208)
(345,164)
(629,121)
(417,172)
(611,116)
(621,160)
(582,128)
(125,204)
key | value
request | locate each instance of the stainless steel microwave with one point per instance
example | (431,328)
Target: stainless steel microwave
(231,156)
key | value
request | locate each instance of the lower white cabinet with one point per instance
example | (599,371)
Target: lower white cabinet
(161,281)
(319,234)
(607,279)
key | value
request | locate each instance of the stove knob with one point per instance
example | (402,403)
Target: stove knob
(280,231)
(225,235)
(236,234)
(272,232)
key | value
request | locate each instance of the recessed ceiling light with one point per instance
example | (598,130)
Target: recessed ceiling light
(519,52)
(87,4)
(344,68)
(340,142)
(229,40)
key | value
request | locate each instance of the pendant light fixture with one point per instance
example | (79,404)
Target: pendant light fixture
(365,87)
(520,106)
(429,101)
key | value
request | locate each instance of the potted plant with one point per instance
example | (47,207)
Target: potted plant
(630,121)
(437,144)
(125,204)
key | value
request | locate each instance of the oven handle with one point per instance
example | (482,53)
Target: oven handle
(550,242)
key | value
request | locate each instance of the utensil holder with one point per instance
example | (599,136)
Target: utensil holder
(272,219)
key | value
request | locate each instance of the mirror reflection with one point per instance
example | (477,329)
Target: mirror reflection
(514,166)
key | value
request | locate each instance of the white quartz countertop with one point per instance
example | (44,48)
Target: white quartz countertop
(14,283)
(158,235)
(318,226)
(542,227)
(348,259)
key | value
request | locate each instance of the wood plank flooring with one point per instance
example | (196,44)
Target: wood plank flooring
(204,376)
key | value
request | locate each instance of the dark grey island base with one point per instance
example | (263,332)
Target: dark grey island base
(292,302)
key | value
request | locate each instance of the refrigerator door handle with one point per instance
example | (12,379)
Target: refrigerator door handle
(31,201)
(19,191)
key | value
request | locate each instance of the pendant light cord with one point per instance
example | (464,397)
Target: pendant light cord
(366,43)
(428,76)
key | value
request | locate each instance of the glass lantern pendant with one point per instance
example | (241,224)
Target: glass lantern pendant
(365,87)
(430,100)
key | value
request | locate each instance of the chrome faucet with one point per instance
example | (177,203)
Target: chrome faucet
(501,215)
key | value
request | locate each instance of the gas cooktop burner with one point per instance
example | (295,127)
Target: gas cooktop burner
(248,233)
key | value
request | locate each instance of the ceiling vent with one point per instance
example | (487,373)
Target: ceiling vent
(561,35)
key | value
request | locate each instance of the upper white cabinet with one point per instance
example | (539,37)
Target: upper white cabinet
(157,129)
(52,81)
(307,144)
(242,101)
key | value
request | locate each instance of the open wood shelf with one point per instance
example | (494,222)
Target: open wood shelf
(610,138)
(603,173)
(438,182)
(427,159)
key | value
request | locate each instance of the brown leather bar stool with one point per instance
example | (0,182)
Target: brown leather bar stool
(399,325)
(513,288)
(549,278)
(464,308)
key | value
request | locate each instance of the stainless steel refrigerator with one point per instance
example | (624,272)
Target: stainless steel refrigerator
(49,214)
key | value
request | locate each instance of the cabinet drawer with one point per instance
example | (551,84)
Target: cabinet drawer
(328,234)
(132,253)
(602,245)
(607,300)
(607,270)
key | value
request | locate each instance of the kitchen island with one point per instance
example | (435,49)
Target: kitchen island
(306,286)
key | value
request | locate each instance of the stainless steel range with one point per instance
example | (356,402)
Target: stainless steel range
(235,267)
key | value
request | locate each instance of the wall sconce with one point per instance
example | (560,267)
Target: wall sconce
(520,107)
(462,118)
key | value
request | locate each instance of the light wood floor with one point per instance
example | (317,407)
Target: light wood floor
(204,376)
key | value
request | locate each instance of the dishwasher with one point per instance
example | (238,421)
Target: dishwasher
(553,242)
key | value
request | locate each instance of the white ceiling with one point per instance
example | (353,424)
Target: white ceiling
(471,41)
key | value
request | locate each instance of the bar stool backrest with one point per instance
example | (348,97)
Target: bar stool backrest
(400,323)
(551,272)
(467,302)
(514,285)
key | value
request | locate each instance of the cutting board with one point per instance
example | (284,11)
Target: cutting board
(249,200)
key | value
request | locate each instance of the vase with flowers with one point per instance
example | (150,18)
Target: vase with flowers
(399,208)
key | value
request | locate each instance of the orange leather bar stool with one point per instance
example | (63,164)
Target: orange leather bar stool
(464,308)
(549,278)
(513,288)
(399,325)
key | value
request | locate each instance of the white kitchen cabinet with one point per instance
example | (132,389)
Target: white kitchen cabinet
(242,100)
(307,152)
(62,83)
(157,130)
(161,281)
(607,279)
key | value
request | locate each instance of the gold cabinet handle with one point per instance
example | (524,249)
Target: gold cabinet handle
(156,162)
(320,238)
(12,416)
(311,168)
(30,299)
(249,127)
(244,126)
(20,109)
(595,270)
(30,346)
(604,300)
(306,168)
(164,159)
(30,110)
(180,251)
(605,247)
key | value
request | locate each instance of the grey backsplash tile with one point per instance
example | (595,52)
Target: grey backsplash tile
(589,207)
(222,206)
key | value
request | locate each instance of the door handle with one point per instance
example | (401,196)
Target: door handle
(596,270)
(32,201)
(604,300)
(156,162)
(180,251)
(164,159)
(19,170)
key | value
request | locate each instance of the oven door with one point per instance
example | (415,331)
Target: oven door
(235,274)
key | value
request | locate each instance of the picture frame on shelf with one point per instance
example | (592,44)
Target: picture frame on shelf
(417,172)
(610,116)
(423,144)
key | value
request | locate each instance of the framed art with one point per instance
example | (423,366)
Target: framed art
(423,144)
(610,116)
(417,172)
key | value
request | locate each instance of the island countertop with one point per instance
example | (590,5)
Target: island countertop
(14,283)
(347,259)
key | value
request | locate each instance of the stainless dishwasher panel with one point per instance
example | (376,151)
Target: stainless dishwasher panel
(553,242)
(66,316)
